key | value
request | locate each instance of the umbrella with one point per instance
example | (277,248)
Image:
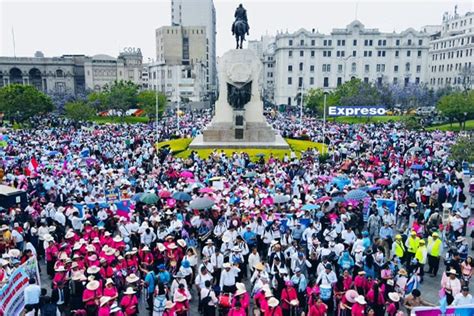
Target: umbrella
(250,175)
(186,174)
(368,174)
(201,203)
(310,207)
(414,149)
(417,167)
(323,199)
(281,199)
(341,182)
(371,189)
(215,178)
(164,194)
(383,181)
(260,155)
(206,190)
(251,165)
(137,197)
(339,199)
(149,198)
(53,153)
(182,196)
(356,195)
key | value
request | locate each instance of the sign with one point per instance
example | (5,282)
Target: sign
(466,310)
(12,300)
(390,204)
(356,111)
(112,195)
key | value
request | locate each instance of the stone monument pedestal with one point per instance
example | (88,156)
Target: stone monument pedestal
(242,123)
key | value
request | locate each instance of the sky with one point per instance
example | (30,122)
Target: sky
(89,27)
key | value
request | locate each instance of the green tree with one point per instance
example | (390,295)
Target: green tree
(146,100)
(457,106)
(122,95)
(79,111)
(314,99)
(356,93)
(99,100)
(23,101)
(463,150)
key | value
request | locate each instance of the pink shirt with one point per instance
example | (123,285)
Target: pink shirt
(104,311)
(358,310)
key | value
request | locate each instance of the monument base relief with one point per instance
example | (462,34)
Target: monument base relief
(239,121)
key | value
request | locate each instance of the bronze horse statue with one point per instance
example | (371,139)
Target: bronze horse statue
(240,29)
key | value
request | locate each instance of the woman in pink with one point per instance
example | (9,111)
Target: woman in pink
(241,296)
(129,302)
(392,304)
(169,309)
(360,283)
(91,296)
(358,309)
(104,309)
(467,269)
(51,254)
(318,309)
(347,280)
(288,294)
(261,299)
(59,276)
(110,290)
(237,310)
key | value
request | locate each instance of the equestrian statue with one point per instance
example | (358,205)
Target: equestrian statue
(240,27)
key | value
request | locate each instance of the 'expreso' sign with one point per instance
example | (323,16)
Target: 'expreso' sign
(356,111)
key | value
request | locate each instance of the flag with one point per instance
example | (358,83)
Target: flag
(123,208)
(85,153)
(32,167)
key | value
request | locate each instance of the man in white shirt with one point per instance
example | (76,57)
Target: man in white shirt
(32,295)
(327,277)
(348,236)
(463,298)
(228,276)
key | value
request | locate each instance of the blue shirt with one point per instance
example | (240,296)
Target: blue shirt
(150,280)
(250,238)
(386,232)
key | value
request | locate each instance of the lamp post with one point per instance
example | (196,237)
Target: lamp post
(301,108)
(177,99)
(324,120)
(465,118)
(156,106)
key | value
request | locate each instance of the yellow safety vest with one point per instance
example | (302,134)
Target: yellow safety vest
(413,244)
(435,247)
(399,249)
(420,254)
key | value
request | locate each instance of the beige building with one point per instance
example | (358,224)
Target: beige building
(181,45)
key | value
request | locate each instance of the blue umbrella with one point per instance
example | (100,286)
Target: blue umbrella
(339,199)
(417,167)
(201,203)
(182,196)
(137,197)
(310,207)
(341,182)
(53,153)
(356,195)
(371,189)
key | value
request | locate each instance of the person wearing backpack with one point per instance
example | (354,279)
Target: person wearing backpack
(209,300)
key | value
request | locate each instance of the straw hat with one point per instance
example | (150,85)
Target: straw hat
(452,271)
(240,288)
(273,302)
(14,253)
(63,256)
(226,265)
(180,297)
(93,270)
(172,246)
(78,276)
(259,266)
(115,308)
(435,234)
(161,247)
(109,281)
(117,238)
(104,300)
(93,285)
(403,272)
(362,272)
(146,248)
(60,269)
(69,235)
(361,300)
(169,305)
(394,297)
(129,291)
(132,278)
(181,242)
(351,296)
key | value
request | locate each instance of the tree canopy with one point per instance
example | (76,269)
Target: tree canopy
(79,110)
(23,101)
(463,150)
(146,100)
(457,106)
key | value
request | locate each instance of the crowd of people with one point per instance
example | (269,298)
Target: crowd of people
(352,233)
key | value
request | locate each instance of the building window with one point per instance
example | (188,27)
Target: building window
(339,81)
(311,68)
(418,68)
(367,68)
(300,82)
(290,42)
(397,53)
(397,42)
(290,81)
(313,42)
(311,80)
(290,68)
(419,53)
(417,80)
(326,82)
(354,53)
(339,68)
(407,81)
(420,42)
(395,80)
(408,53)
(379,80)
(354,67)
(59,73)
(407,67)
(354,42)
(301,66)
(409,42)
(302,42)
(395,68)
(290,53)
(313,53)
(366,79)
(301,53)
(289,100)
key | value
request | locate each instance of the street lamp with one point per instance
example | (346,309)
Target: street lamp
(324,119)
(301,108)
(465,118)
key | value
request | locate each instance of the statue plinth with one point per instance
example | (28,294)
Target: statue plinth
(239,121)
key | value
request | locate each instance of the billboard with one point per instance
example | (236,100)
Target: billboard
(357,111)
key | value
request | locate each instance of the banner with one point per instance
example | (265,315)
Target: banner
(390,204)
(356,111)
(12,300)
(466,310)
(112,195)
(123,207)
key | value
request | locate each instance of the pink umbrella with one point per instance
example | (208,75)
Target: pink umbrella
(267,201)
(323,199)
(171,202)
(206,190)
(368,174)
(383,181)
(164,194)
(186,174)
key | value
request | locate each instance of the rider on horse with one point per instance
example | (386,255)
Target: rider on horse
(240,15)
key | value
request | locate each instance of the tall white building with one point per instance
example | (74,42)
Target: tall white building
(199,13)
(265,50)
(451,59)
(306,59)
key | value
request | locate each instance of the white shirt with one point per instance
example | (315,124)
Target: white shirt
(253,260)
(202,278)
(460,299)
(60,218)
(32,294)
(228,277)
(327,278)
(349,237)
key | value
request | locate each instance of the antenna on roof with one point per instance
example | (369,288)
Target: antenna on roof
(13,40)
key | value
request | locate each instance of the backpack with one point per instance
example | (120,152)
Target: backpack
(48,309)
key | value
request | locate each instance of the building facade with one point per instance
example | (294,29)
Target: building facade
(451,59)
(265,50)
(63,74)
(102,70)
(186,82)
(199,13)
